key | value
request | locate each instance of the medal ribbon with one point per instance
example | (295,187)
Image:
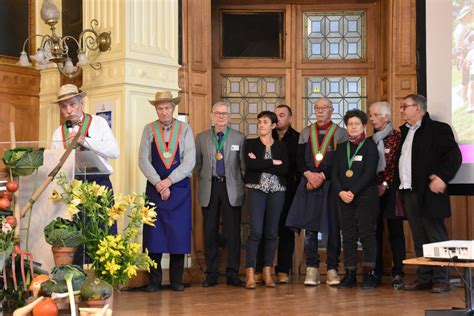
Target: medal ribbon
(160,142)
(349,159)
(85,124)
(314,137)
(219,145)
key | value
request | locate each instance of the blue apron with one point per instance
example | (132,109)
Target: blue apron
(172,233)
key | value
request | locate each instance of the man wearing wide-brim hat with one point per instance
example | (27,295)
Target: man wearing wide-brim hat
(166,157)
(96,135)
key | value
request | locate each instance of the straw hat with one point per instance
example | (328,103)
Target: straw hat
(164,96)
(68,91)
(465,11)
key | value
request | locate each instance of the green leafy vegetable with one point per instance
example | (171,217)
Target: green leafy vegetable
(63,233)
(60,272)
(23,161)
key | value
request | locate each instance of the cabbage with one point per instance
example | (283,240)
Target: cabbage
(63,233)
(59,273)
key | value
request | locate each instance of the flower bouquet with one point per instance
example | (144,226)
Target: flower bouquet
(115,257)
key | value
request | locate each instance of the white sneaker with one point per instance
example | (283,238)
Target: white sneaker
(332,277)
(312,276)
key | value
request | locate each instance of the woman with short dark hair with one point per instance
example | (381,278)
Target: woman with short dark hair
(355,183)
(266,162)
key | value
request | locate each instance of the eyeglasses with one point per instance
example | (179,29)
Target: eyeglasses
(221,113)
(404,106)
(322,109)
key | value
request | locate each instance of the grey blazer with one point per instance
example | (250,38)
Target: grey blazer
(234,166)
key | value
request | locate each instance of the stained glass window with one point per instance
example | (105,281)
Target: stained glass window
(334,35)
(346,93)
(248,96)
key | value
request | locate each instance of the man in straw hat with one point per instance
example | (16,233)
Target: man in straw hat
(166,157)
(96,136)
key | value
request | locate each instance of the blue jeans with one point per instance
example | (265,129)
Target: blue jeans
(264,215)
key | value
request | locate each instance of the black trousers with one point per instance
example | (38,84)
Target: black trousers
(219,207)
(359,221)
(396,238)
(176,269)
(264,216)
(424,230)
(286,241)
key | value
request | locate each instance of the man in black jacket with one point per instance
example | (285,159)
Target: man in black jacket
(429,159)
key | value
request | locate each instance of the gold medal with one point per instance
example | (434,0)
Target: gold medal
(349,173)
(167,155)
(219,156)
(319,157)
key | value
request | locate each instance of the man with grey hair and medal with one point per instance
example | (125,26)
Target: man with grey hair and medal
(313,208)
(167,157)
(220,168)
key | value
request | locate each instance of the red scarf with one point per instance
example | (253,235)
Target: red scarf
(357,139)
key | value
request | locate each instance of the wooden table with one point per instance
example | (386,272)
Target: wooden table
(469,309)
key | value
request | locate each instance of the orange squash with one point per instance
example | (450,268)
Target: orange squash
(40,278)
(46,307)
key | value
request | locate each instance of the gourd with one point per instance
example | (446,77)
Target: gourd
(96,289)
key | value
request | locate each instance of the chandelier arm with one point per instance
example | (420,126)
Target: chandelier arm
(96,66)
(32,36)
(69,75)
(66,47)
(88,37)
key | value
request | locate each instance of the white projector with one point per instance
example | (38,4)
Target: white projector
(452,250)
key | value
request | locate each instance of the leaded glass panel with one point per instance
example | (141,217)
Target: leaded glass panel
(346,93)
(334,35)
(248,96)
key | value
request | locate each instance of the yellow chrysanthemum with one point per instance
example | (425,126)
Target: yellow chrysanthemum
(111,267)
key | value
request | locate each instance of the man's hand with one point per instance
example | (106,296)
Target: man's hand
(314,178)
(166,194)
(72,134)
(346,196)
(382,189)
(252,156)
(277,162)
(163,185)
(436,184)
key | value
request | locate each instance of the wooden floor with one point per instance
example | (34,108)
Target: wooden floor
(291,299)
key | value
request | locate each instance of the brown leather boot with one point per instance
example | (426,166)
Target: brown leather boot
(250,278)
(267,277)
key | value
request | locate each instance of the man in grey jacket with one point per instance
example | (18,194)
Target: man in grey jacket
(220,169)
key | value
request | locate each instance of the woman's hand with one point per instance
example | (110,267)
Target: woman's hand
(252,156)
(346,196)
(277,162)
(163,185)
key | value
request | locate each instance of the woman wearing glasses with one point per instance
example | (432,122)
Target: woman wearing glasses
(355,183)
(266,161)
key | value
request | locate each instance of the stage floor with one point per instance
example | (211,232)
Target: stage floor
(293,298)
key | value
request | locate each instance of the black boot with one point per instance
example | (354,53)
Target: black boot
(369,280)
(176,272)
(155,275)
(349,279)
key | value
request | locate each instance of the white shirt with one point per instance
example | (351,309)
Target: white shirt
(99,139)
(404,164)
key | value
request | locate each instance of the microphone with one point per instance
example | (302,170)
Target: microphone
(69,125)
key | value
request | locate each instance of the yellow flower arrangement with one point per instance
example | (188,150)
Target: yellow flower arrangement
(115,258)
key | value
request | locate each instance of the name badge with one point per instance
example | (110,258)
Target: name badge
(358,158)
(234,148)
(387,150)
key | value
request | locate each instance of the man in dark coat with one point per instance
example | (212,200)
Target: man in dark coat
(429,158)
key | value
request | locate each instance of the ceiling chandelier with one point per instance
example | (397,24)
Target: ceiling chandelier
(55,48)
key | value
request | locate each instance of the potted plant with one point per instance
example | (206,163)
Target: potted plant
(64,236)
(115,258)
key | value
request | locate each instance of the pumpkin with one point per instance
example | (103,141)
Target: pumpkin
(46,307)
(96,289)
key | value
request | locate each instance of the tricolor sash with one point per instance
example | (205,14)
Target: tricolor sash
(85,124)
(167,152)
(319,152)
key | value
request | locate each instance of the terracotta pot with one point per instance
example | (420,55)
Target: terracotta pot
(101,303)
(63,255)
